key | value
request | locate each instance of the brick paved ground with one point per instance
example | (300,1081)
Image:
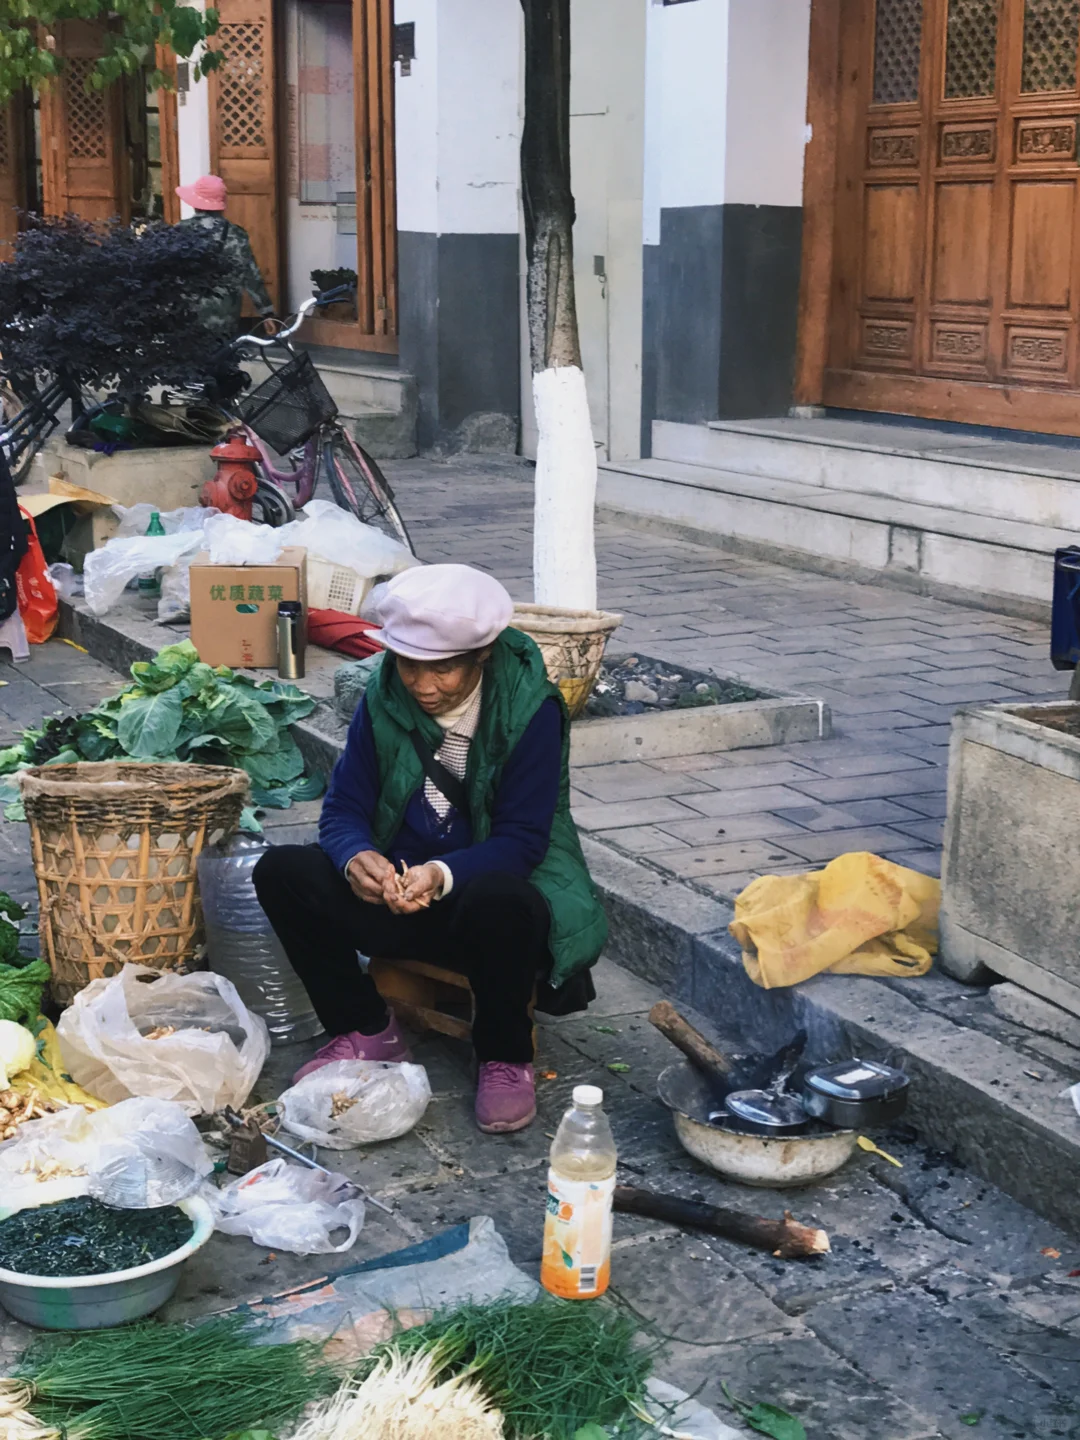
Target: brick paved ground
(893,667)
(946,1309)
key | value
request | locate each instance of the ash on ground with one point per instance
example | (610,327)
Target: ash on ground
(634,684)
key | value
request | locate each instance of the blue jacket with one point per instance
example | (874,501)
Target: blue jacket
(521,820)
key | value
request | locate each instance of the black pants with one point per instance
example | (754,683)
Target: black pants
(494,930)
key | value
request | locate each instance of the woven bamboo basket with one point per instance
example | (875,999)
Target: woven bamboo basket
(572,643)
(115,846)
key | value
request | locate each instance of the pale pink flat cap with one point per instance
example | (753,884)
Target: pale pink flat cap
(208,193)
(431,612)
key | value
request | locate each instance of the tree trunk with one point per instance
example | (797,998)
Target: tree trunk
(564,556)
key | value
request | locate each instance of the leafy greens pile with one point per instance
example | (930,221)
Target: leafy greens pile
(179,708)
(21,979)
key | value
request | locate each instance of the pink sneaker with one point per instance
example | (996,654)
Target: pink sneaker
(505,1097)
(388,1044)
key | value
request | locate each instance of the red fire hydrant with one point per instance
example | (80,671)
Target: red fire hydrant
(233,487)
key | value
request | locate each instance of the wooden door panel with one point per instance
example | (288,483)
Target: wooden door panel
(81,132)
(963,214)
(1041,244)
(243,147)
(10,177)
(891,238)
(956,255)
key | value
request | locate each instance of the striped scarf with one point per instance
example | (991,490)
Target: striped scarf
(454,750)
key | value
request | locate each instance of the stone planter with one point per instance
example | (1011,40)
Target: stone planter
(1010,899)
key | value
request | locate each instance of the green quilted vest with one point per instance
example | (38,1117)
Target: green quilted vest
(515,686)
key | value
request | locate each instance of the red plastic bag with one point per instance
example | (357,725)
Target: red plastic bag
(37,594)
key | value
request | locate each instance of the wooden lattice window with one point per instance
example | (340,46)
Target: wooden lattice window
(971,49)
(86,112)
(897,51)
(242,86)
(1051,35)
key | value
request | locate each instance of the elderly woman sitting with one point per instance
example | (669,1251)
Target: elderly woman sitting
(455,765)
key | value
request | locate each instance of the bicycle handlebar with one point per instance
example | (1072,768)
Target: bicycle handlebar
(264,342)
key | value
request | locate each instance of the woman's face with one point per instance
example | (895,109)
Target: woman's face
(440,685)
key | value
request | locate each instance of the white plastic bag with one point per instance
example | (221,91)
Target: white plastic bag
(135,519)
(106,572)
(232,541)
(330,533)
(387,1100)
(286,1207)
(212,1060)
(68,1152)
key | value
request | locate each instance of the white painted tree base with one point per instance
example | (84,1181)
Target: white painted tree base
(564,540)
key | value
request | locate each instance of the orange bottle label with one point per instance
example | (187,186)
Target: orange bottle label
(577,1237)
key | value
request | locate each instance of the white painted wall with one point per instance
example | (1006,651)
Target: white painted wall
(725,105)
(768,48)
(193,131)
(459,118)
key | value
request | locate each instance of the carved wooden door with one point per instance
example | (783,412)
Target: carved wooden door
(82,133)
(957,276)
(10,177)
(243,140)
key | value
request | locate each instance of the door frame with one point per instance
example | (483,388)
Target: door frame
(1026,407)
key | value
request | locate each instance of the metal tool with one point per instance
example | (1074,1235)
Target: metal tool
(236,1121)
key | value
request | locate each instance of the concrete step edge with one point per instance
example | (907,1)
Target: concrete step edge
(1042,468)
(851,504)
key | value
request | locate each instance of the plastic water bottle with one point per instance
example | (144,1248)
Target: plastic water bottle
(149,584)
(242,945)
(581,1187)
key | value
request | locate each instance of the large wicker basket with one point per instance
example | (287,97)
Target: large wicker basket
(115,845)
(572,643)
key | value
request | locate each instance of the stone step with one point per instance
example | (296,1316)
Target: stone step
(377,399)
(1009,479)
(1002,563)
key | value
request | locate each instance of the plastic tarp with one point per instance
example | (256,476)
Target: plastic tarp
(861,915)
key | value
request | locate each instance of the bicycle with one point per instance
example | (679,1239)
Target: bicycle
(291,413)
(29,415)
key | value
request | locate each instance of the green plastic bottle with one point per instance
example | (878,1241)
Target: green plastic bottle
(149,584)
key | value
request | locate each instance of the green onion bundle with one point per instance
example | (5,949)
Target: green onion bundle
(162,1382)
(550,1367)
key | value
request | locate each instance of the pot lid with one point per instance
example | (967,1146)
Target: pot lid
(761,1107)
(857,1080)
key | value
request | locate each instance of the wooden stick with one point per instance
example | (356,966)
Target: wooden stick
(690,1041)
(787,1239)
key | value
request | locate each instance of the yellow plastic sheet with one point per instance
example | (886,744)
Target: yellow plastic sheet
(46,1075)
(861,915)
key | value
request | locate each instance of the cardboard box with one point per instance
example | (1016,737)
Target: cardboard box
(234,608)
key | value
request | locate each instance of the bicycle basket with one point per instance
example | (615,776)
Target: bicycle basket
(289,406)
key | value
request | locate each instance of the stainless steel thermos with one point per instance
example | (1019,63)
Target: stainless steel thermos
(291,639)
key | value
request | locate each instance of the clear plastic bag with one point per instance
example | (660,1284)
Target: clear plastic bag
(68,1153)
(232,541)
(241,943)
(333,534)
(106,572)
(212,1059)
(286,1207)
(377,1100)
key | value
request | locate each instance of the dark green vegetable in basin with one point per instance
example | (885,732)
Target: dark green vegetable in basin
(85,1237)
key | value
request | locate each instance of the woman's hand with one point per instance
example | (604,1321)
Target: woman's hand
(413,891)
(368,874)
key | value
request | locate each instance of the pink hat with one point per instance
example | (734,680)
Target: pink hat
(431,612)
(208,193)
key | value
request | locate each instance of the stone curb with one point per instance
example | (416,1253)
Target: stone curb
(971,1095)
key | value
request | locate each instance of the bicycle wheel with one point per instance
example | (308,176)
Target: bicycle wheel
(10,406)
(271,506)
(359,485)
